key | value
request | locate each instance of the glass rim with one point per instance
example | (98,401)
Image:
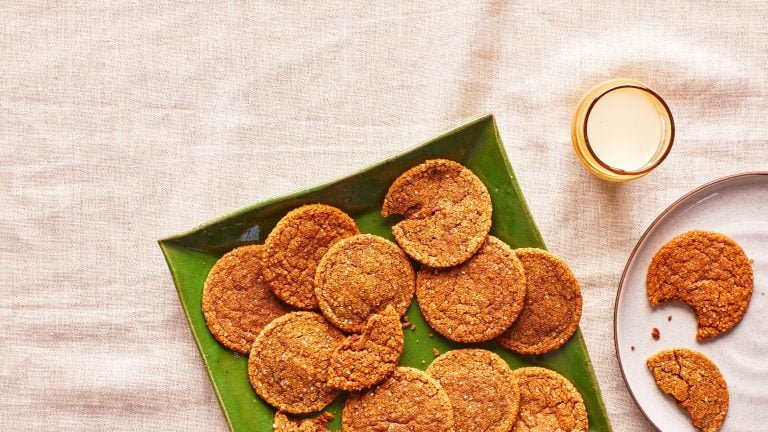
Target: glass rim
(660,159)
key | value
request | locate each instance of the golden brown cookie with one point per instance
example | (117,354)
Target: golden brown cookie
(409,400)
(696,384)
(447,212)
(552,305)
(283,423)
(476,300)
(708,271)
(483,393)
(360,276)
(366,359)
(295,246)
(548,402)
(288,365)
(237,303)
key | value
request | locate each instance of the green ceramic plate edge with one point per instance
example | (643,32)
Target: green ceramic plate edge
(477,145)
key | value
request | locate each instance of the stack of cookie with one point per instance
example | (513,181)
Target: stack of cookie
(470,286)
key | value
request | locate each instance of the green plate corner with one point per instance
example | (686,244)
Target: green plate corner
(478,146)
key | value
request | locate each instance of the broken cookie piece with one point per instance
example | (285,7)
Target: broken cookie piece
(361,361)
(695,382)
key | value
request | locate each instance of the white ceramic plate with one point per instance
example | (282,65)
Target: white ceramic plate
(736,206)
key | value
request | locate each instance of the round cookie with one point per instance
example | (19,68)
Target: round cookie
(708,271)
(283,423)
(295,246)
(483,393)
(288,365)
(476,300)
(695,383)
(447,212)
(552,305)
(548,402)
(366,359)
(360,276)
(409,400)
(237,303)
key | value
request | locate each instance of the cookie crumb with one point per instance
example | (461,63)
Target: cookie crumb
(669,318)
(436,352)
(407,323)
(632,347)
(431,335)
(655,333)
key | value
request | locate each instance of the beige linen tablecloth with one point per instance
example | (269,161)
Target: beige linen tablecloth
(123,122)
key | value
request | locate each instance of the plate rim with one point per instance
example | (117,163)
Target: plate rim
(631,257)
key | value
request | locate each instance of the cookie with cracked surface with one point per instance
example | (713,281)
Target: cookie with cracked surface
(409,400)
(288,365)
(296,245)
(708,271)
(484,395)
(447,212)
(695,383)
(476,300)
(360,276)
(237,303)
(552,308)
(364,360)
(548,402)
(283,423)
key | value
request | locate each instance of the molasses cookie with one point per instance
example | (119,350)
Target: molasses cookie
(695,383)
(237,303)
(552,305)
(476,300)
(447,212)
(361,361)
(408,400)
(548,402)
(283,423)
(295,246)
(483,393)
(708,271)
(360,276)
(288,365)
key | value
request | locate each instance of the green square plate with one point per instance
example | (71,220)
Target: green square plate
(476,145)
